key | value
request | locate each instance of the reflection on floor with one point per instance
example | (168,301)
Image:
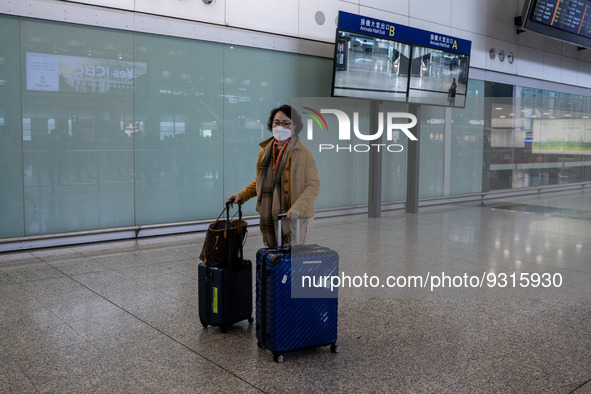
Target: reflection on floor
(122,316)
(546,210)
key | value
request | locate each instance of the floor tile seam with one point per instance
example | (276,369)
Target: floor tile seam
(554,386)
(588,382)
(157,330)
(193,351)
(23,371)
(24,281)
(33,260)
(126,277)
(68,250)
(43,328)
(18,262)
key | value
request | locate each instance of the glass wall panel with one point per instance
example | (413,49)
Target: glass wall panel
(432,151)
(76,97)
(394,163)
(467,139)
(11,149)
(178,129)
(538,138)
(500,135)
(556,125)
(587,140)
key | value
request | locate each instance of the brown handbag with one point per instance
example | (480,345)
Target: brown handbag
(224,240)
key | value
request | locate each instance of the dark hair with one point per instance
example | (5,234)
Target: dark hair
(291,113)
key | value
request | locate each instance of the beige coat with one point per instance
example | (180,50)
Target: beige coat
(300,179)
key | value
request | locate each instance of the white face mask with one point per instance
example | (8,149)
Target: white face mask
(281,133)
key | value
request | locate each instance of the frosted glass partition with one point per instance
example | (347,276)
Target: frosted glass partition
(11,149)
(537,138)
(77,96)
(466,143)
(394,163)
(432,151)
(556,127)
(178,129)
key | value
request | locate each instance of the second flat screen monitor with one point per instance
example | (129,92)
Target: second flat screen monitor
(373,68)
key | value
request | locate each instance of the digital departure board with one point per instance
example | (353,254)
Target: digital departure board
(566,20)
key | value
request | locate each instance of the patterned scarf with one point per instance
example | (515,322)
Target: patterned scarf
(271,201)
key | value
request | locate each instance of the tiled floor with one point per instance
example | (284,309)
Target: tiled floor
(122,316)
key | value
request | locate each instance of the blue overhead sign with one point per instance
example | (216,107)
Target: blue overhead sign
(391,31)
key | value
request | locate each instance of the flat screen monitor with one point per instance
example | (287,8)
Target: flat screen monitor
(379,60)
(565,20)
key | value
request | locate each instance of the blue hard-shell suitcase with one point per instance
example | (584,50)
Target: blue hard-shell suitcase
(290,318)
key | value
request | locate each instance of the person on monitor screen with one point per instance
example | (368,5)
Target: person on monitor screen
(286,181)
(451,94)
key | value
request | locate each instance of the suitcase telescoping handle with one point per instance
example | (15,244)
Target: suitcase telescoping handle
(280,235)
(228,250)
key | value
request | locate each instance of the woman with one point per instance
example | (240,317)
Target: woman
(287,179)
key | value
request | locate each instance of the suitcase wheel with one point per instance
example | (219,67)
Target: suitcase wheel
(260,345)
(250,320)
(278,357)
(204,324)
(334,348)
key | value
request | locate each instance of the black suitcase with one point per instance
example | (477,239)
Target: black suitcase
(289,317)
(225,294)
